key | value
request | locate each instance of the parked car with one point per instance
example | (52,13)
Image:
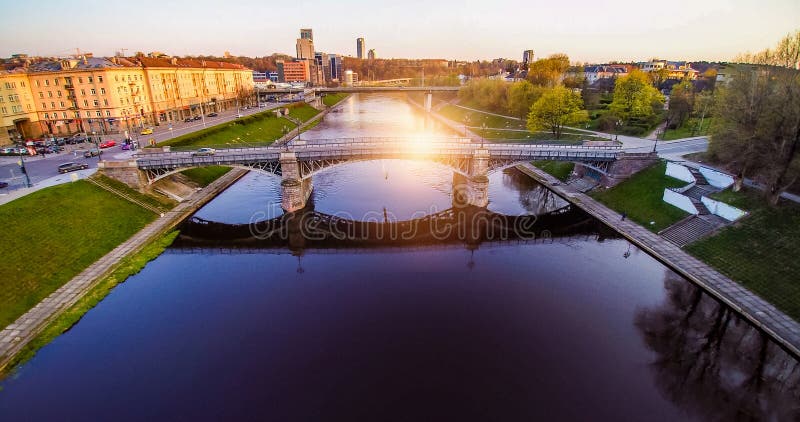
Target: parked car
(77,138)
(212,114)
(67,167)
(188,120)
(92,152)
(239,115)
(147,131)
(196,118)
(204,152)
(3,185)
(108,144)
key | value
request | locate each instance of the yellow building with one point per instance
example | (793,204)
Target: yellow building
(114,95)
(17,109)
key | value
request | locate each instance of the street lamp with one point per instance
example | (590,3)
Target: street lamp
(22,165)
(466,121)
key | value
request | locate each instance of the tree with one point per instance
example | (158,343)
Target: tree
(756,131)
(703,104)
(785,54)
(556,108)
(521,96)
(548,72)
(681,103)
(635,98)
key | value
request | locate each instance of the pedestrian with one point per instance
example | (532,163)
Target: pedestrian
(624,214)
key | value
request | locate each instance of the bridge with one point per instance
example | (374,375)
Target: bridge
(460,225)
(297,161)
(360,88)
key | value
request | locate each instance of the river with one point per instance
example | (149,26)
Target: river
(570,323)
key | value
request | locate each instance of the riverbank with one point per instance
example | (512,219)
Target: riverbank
(25,328)
(783,329)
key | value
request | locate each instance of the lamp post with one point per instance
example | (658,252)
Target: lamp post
(483,132)
(22,165)
(466,121)
(96,145)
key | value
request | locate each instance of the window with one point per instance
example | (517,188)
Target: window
(47,82)
(100,79)
(49,94)
(89,114)
(52,104)
(56,81)
(47,115)
(102,91)
(105,102)
(96,103)
(59,93)
(83,92)
(5,111)
(44,106)
(37,83)
(77,114)
(1,99)
(8,85)
(90,79)
(80,80)
(98,113)
(62,104)
(108,113)
(64,114)
(93,91)
(85,103)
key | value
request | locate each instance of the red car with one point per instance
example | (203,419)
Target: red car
(108,144)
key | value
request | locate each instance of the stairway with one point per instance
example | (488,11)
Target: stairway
(701,180)
(692,229)
(583,184)
(123,195)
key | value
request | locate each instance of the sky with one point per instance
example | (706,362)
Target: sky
(587,31)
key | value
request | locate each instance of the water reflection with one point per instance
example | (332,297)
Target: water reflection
(713,364)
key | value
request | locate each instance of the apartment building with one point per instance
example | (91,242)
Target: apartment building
(111,95)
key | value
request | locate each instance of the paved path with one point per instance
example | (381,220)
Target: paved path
(26,327)
(778,325)
(6,197)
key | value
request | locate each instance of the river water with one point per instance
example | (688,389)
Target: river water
(571,323)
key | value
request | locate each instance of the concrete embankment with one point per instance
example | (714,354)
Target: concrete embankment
(781,328)
(15,336)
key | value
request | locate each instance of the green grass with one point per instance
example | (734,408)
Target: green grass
(685,131)
(640,197)
(477,119)
(256,130)
(331,100)
(203,176)
(558,169)
(760,251)
(51,235)
(127,267)
(155,200)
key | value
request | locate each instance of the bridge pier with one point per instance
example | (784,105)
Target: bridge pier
(126,172)
(428,101)
(473,189)
(294,189)
(626,165)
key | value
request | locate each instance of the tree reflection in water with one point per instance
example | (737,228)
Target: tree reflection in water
(533,197)
(708,358)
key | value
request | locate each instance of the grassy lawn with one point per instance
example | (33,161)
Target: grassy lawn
(256,130)
(685,131)
(759,251)
(640,197)
(558,169)
(51,235)
(203,176)
(477,119)
(331,100)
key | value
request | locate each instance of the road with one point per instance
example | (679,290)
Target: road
(44,167)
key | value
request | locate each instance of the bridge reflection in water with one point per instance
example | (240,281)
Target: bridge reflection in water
(466,226)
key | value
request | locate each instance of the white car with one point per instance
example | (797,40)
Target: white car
(204,152)
(238,115)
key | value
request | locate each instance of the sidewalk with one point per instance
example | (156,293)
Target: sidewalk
(14,337)
(760,313)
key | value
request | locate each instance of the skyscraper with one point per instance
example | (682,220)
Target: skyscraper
(360,48)
(371,54)
(305,44)
(527,57)
(335,67)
